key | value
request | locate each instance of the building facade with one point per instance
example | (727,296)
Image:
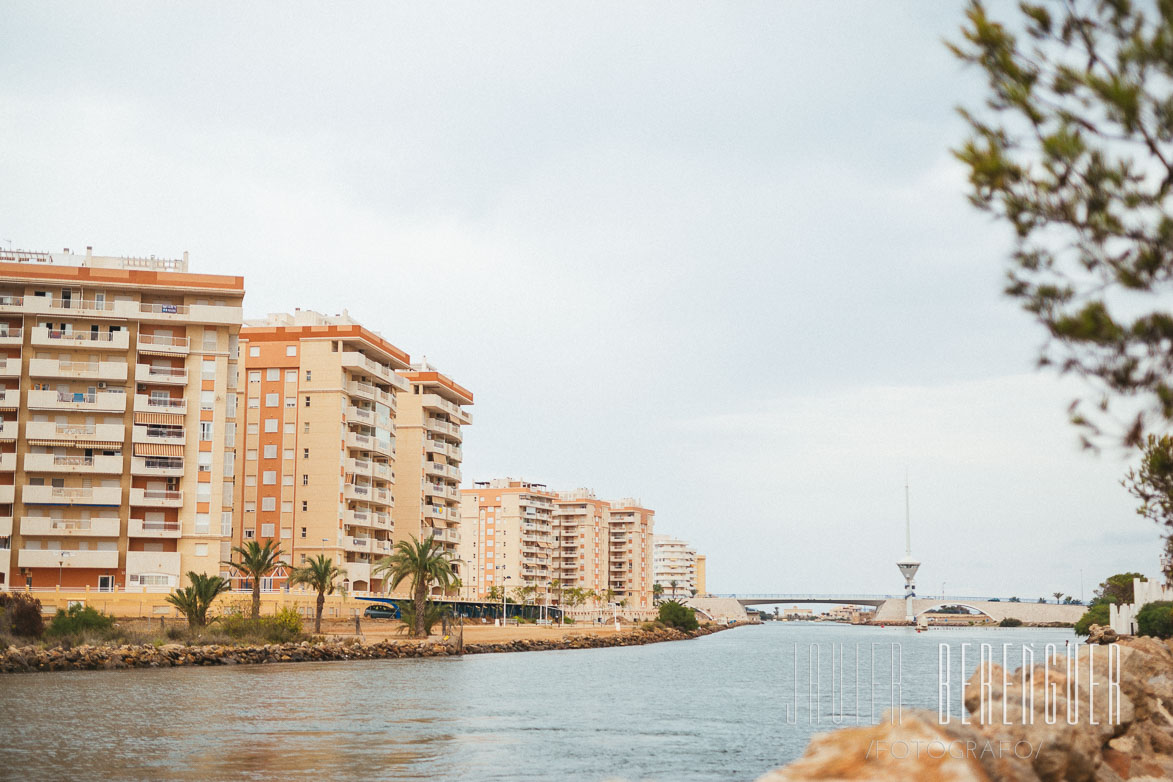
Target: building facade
(674,567)
(581,540)
(118,397)
(429,453)
(631,529)
(507,537)
(317,441)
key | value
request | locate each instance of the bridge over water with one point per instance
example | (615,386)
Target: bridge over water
(891,608)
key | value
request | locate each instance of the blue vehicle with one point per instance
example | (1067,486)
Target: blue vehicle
(382,611)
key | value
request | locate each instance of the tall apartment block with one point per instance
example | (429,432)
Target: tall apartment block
(674,567)
(630,568)
(318,440)
(507,536)
(582,540)
(428,456)
(118,401)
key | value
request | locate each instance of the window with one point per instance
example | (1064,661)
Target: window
(305,453)
(210,339)
(289,428)
(254,376)
(203,522)
(268,503)
(287,453)
(291,350)
(207,400)
(254,402)
(249,534)
(250,480)
(251,455)
(307,376)
(305,481)
(287,480)
(230,431)
(229,463)
(270,452)
(287,507)
(306,428)
(291,401)
(266,530)
(253,428)
(271,424)
(226,523)
(230,405)
(204,461)
(208,369)
(291,376)
(272,373)
(205,431)
(307,401)
(305,505)
(272,400)
(254,351)
(269,477)
(303,531)
(203,492)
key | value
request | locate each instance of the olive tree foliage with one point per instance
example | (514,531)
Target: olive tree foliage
(1074,150)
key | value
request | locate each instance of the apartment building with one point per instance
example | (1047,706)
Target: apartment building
(318,440)
(117,412)
(674,567)
(582,540)
(701,584)
(630,555)
(428,456)
(507,536)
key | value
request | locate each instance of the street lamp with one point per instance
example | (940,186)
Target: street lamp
(503,580)
(61,557)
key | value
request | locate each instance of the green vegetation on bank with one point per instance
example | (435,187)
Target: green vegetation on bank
(677,615)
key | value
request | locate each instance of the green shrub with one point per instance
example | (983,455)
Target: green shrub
(678,615)
(1156,619)
(1096,615)
(1010,622)
(20,614)
(568,620)
(282,627)
(78,619)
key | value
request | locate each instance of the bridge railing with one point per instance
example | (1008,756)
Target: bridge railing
(796,598)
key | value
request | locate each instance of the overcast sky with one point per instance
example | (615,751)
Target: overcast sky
(716,256)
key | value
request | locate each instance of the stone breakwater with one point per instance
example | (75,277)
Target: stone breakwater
(30,658)
(1137,747)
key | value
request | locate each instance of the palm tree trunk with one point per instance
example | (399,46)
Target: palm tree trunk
(318,617)
(421,596)
(256,598)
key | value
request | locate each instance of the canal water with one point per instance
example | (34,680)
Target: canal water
(729,706)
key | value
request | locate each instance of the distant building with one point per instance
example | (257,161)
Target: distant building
(674,567)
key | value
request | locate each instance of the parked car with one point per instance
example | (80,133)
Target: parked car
(381,611)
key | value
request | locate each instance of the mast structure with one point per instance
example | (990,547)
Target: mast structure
(908,566)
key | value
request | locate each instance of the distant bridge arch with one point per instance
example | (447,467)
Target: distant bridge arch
(892,608)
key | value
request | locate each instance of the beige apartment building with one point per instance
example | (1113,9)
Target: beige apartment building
(317,441)
(428,456)
(582,541)
(630,558)
(117,413)
(701,578)
(674,567)
(507,537)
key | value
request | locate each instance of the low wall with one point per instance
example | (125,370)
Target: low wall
(129,605)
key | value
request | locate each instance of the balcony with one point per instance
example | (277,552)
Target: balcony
(155,404)
(437,402)
(357,517)
(447,535)
(158,466)
(358,466)
(156,498)
(162,562)
(110,371)
(100,402)
(7,462)
(44,337)
(81,464)
(441,490)
(357,571)
(161,345)
(58,558)
(12,304)
(357,493)
(382,471)
(195,313)
(442,426)
(381,520)
(355,360)
(11,337)
(81,528)
(10,367)
(140,528)
(439,512)
(382,548)
(359,415)
(9,399)
(145,373)
(59,305)
(7,494)
(70,433)
(358,545)
(109,496)
(166,435)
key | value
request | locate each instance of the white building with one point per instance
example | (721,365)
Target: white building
(674,566)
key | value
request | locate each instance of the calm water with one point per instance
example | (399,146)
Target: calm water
(711,709)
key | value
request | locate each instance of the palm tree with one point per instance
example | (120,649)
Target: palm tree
(423,562)
(321,575)
(673,585)
(257,562)
(1057,595)
(195,600)
(556,588)
(657,592)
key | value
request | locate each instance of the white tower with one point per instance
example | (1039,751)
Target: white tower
(908,566)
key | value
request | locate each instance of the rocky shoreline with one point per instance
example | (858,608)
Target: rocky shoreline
(28,659)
